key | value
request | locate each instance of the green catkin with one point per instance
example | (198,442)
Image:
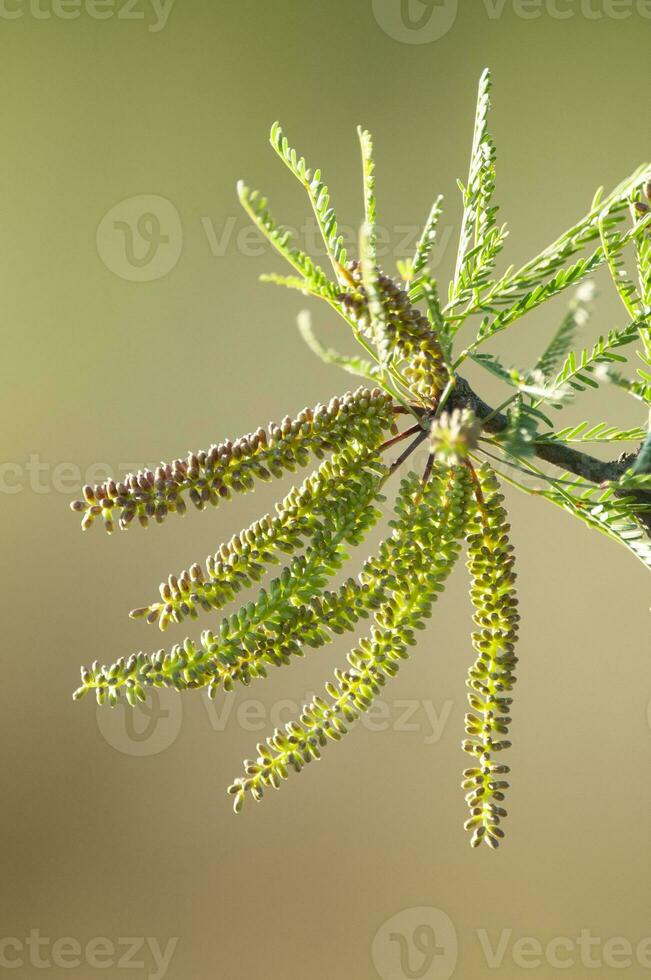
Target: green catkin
(246,557)
(208,477)
(425,545)
(492,676)
(255,636)
(245,649)
(407,330)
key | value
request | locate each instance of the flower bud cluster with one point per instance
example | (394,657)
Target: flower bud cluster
(414,562)
(492,676)
(208,477)
(257,636)
(245,558)
(409,332)
(454,435)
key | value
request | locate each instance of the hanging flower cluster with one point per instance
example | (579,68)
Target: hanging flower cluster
(411,369)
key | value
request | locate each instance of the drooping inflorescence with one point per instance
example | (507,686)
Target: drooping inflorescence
(408,330)
(245,558)
(491,677)
(409,361)
(415,562)
(209,477)
(257,635)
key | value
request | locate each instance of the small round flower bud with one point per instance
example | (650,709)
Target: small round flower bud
(454,435)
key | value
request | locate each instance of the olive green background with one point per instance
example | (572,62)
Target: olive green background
(99,368)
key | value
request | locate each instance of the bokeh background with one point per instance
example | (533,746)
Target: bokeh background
(120,828)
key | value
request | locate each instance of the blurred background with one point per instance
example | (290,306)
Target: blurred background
(127,340)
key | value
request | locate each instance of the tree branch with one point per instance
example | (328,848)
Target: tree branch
(581,464)
(564,457)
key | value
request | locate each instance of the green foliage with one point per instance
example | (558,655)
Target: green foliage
(377,310)
(519,438)
(480,240)
(319,196)
(639,390)
(409,356)
(542,292)
(620,276)
(561,343)
(643,250)
(353,364)
(546,269)
(418,264)
(530,382)
(584,432)
(579,371)
(606,511)
(314,278)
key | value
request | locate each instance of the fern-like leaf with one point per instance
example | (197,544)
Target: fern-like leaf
(480,240)
(621,278)
(319,196)
(539,294)
(603,511)
(563,339)
(368,253)
(578,371)
(601,432)
(604,215)
(353,364)
(643,258)
(316,281)
(418,263)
